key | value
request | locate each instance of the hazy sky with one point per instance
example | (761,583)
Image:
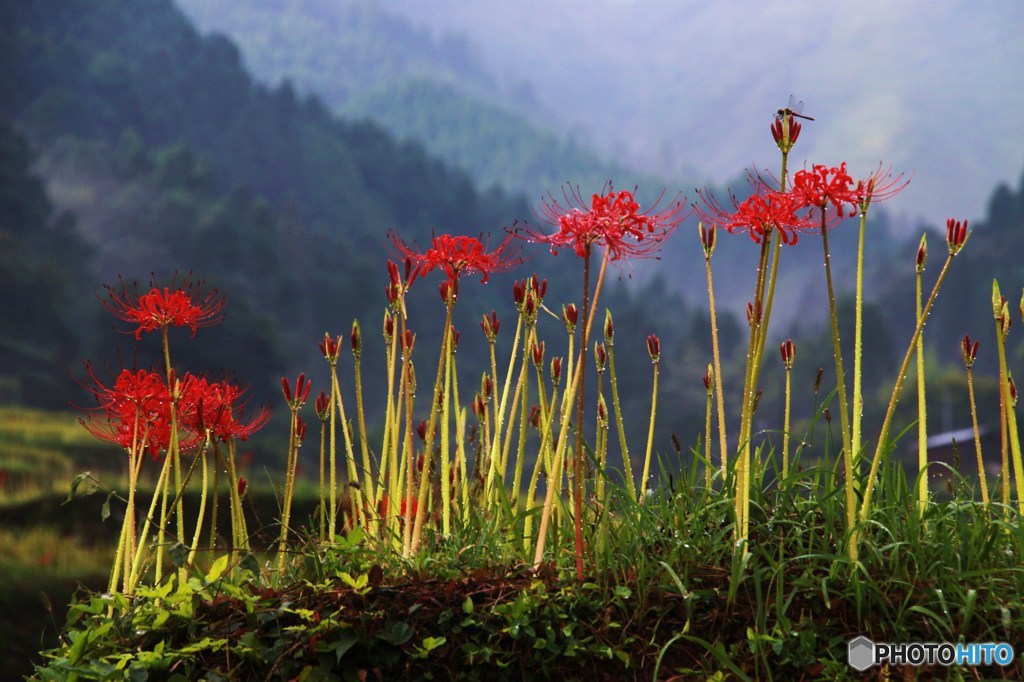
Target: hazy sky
(933,88)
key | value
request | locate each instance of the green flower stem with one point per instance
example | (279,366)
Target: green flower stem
(922,412)
(844,410)
(369,489)
(619,428)
(445,453)
(1005,452)
(358,496)
(785,424)
(428,447)
(333,462)
(1011,415)
(577,459)
(544,456)
(202,499)
(524,418)
(554,482)
(409,457)
(650,435)
(857,415)
(160,493)
(977,438)
(599,428)
(495,446)
(883,436)
(707,438)
(723,441)
(289,488)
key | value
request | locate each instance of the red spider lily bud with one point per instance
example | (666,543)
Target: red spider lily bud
(479,409)
(754,314)
(1013,391)
(956,235)
(997,300)
(243,485)
(540,287)
(788,351)
(421,429)
(419,463)
(707,239)
(609,328)
(570,316)
(785,132)
(817,380)
(389,327)
(409,271)
(444,289)
(286,389)
(828,415)
(391,291)
(518,292)
(300,430)
(602,411)
(556,369)
(1022,307)
(530,305)
(600,355)
(302,386)
(538,354)
(393,273)
(708,378)
(654,347)
(486,386)
(922,254)
(967,351)
(356,339)
(456,337)
(534,419)
(409,341)
(322,406)
(490,326)
(411,378)
(1005,321)
(330,348)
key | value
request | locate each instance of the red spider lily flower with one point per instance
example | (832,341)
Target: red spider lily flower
(956,235)
(788,351)
(881,185)
(654,347)
(180,305)
(823,185)
(459,254)
(214,406)
(967,351)
(136,411)
(758,215)
(613,220)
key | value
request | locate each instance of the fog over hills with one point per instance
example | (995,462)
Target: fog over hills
(685,88)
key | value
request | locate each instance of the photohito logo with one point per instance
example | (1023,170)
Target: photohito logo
(863,653)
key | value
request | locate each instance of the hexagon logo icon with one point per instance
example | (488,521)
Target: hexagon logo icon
(861,653)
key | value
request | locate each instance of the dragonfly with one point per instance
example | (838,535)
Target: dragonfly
(794,108)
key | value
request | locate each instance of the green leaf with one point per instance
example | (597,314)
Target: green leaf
(75,483)
(178,554)
(399,634)
(342,646)
(250,563)
(431,643)
(467,606)
(105,509)
(218,568)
